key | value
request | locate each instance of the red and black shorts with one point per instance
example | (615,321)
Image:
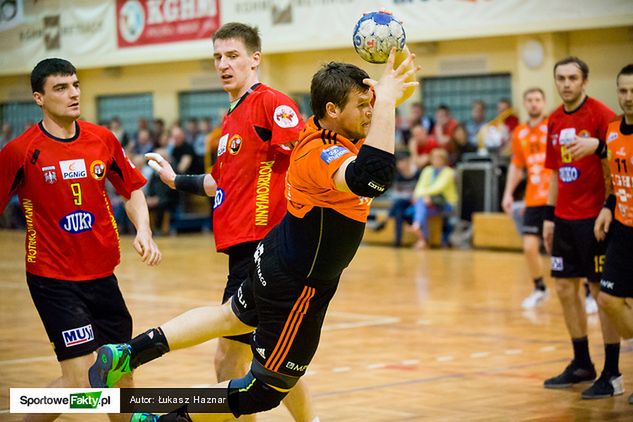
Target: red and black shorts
(79,317)
(617,278)
(575,251)
(287,311)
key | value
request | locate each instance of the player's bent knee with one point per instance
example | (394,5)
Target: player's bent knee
(249,395)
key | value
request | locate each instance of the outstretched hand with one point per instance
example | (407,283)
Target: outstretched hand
(395,79)
(162,168)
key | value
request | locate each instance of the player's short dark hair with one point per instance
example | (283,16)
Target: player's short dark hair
(333,84)
(626,70)
(584,69)
(249,35)
(532,90)
(49,67)
(444,107)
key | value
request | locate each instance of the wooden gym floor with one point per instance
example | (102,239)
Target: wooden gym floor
(435,335)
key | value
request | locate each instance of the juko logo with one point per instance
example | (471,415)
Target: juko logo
(78,335)
(89,400)
(77,222)
(568,174)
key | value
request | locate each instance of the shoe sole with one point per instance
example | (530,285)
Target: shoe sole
(602,396)
(97,374)
(561,386)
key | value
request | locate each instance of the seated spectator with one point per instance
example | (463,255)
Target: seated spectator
(199,145)
(444,126)
(119,132)
(477,120)
(460,145)
(161,199)
(494,136)
(7,134)
(181,152)
(143,144)
(420,146)
(435,194)
(402,193)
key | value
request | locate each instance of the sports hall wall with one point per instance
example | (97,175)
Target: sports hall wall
(605,50)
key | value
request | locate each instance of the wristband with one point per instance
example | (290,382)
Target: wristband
(190,183)
(601,150)
(548,213)
(610,203)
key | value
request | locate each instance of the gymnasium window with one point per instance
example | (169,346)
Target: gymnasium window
(202,105)
(20,113)
(303,101)
(128,108)
(459,92)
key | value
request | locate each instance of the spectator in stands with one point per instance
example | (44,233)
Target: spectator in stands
(211,144)
(191,130)
(435,194)
(494,136)
(444,126)
(405,180)
(421,145)
(510,120)
(199,145)
(476,122)
(119,131)
(460,144)
(143,144)
(159,133)
(161,199)
(418,117)
(6,135)
(181,152)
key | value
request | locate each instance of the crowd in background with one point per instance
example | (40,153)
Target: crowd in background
(437,143)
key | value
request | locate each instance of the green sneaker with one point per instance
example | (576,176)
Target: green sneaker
(144,417)
(113,361)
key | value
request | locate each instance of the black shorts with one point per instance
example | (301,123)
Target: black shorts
(576,252)
(240,269)
(80,316)
(617,278)
(533,221)
(288,312)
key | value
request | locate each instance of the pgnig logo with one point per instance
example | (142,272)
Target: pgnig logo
(88,400)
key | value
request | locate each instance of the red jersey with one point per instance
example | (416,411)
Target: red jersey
(251,166)
(580,182)
(528,152)
(71,233)
(620,154)
(310,183)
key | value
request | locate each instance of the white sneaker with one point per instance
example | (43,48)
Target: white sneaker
(534,299)
(591,306)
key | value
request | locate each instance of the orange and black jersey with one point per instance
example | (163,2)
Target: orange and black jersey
(620,155)
(323,228)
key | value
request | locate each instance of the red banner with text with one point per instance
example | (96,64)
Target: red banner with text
(144,22)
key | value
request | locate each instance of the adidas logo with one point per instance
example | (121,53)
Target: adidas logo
(261,351)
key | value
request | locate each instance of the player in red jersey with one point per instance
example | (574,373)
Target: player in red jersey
(616,285)
(253,155)
(58,168)
(528,152)
(577,189)
(333,176)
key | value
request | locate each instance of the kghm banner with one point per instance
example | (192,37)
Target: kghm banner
(143,22)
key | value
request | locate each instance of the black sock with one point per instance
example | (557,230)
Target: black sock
(539,284)
(148,346)
(612,359)
(581,352)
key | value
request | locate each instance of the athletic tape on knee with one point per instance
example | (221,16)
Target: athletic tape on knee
(248,395)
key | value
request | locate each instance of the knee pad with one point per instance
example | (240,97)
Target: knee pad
(249,395)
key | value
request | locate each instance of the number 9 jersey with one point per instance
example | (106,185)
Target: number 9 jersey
(71,233)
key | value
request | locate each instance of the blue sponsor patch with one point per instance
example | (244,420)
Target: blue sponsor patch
(332,153)
(219,198)
(78,335)
(77,222)
(568,174)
